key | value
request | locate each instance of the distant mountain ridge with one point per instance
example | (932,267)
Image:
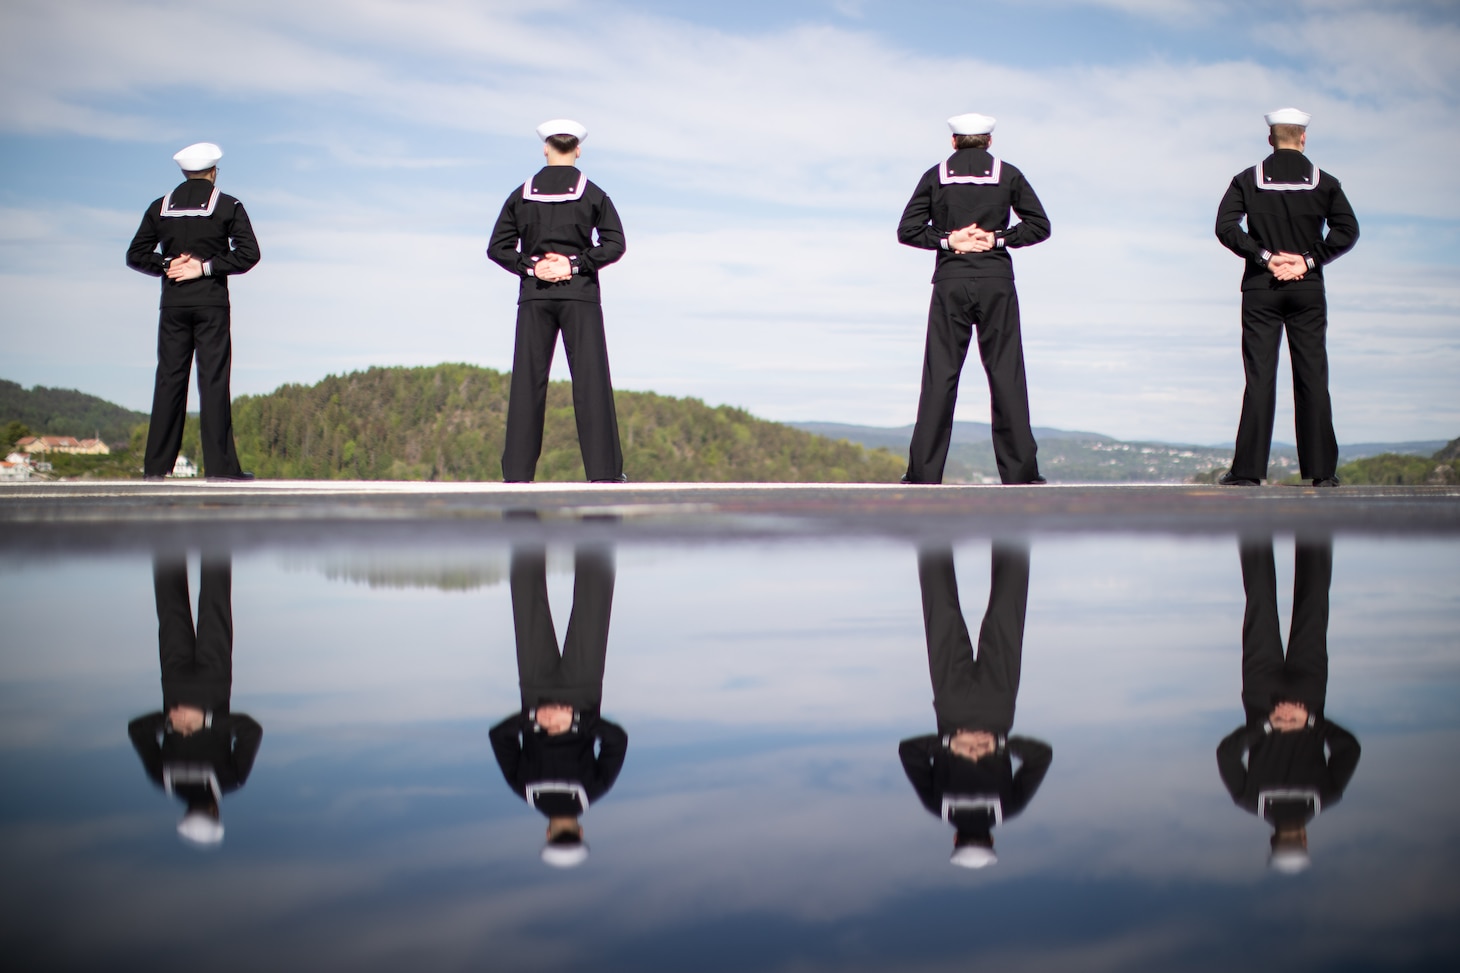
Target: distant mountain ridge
(1075,456)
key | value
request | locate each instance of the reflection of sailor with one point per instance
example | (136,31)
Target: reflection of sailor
(965,774)
(195,749)
(558,753)
(1287,763)
(555,234)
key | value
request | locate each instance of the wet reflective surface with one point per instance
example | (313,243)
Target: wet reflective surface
(1077,751)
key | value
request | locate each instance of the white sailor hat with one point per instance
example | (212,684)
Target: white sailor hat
(971,124)
(974,856)
(1289,859)
(198,156)
(565,855)
(561,126)
(200,829)
(1287,116)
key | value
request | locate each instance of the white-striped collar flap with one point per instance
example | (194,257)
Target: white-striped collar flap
(947,178)
(167,209)
(575,193)
(565,788)
(1284,187)
(958,803)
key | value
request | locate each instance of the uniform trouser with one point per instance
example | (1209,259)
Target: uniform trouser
(1267,677)
(181,331)
(1304,314)
(197,663)
(581,323)
(574,676)
(974,693)
(991,304)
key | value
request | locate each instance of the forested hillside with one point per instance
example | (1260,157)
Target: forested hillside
(446,422)
(1395,469)
(65,412)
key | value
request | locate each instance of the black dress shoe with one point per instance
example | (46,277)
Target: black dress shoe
(621,478)
(155,477)
(1327,481)
(1230,479)
(1036,481)
(240,476)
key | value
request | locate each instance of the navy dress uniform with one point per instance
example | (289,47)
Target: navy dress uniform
(1286,201)
(200,766)
(560,212)
(195,221)
(975,693)
(973,290)
(561,775)
(1286,777)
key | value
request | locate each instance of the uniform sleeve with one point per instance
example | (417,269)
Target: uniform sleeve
(144,732)
(1343,760)
(246,735)
(1033,225)
(1035,756)
(613,747)
(142,254)
(1229,226)
(503,248)
(1231,753)
(1343,229)
(610,245)
(915,229)
(917,763)
(243,248)
(507,747)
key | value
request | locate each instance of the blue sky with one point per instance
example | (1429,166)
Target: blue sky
(760,154)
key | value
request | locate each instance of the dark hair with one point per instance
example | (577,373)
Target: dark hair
(1287,134)
(562,144)
(971,141)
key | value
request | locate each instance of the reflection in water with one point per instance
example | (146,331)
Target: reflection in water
(1287,763)
(558,753)
(965,773)
(195,748)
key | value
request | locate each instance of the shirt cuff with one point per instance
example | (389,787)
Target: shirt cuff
(574,262)
(531,269)
(944,244)
(1312,264)
(1264,257)
(207,268)
(999,241)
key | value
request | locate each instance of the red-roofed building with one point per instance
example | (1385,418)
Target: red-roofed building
(62,444)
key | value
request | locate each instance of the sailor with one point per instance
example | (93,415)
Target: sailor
(961,210)
(1287,763)
(965,773)
(194,238)
(1286,200)
(558,753)
(195,748)
(555,234)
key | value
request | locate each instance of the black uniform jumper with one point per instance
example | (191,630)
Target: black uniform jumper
(973,290)
(560,776)
(197,671)
(196,219)
(1286,778)
(975,693)
(1286,200)
(559,211)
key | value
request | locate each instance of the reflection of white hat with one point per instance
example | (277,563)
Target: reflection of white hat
(971,124)
(200,829)
(1289,859)
(198,156)
(561,126)
(974,856)
(1287,116)
(565,856)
